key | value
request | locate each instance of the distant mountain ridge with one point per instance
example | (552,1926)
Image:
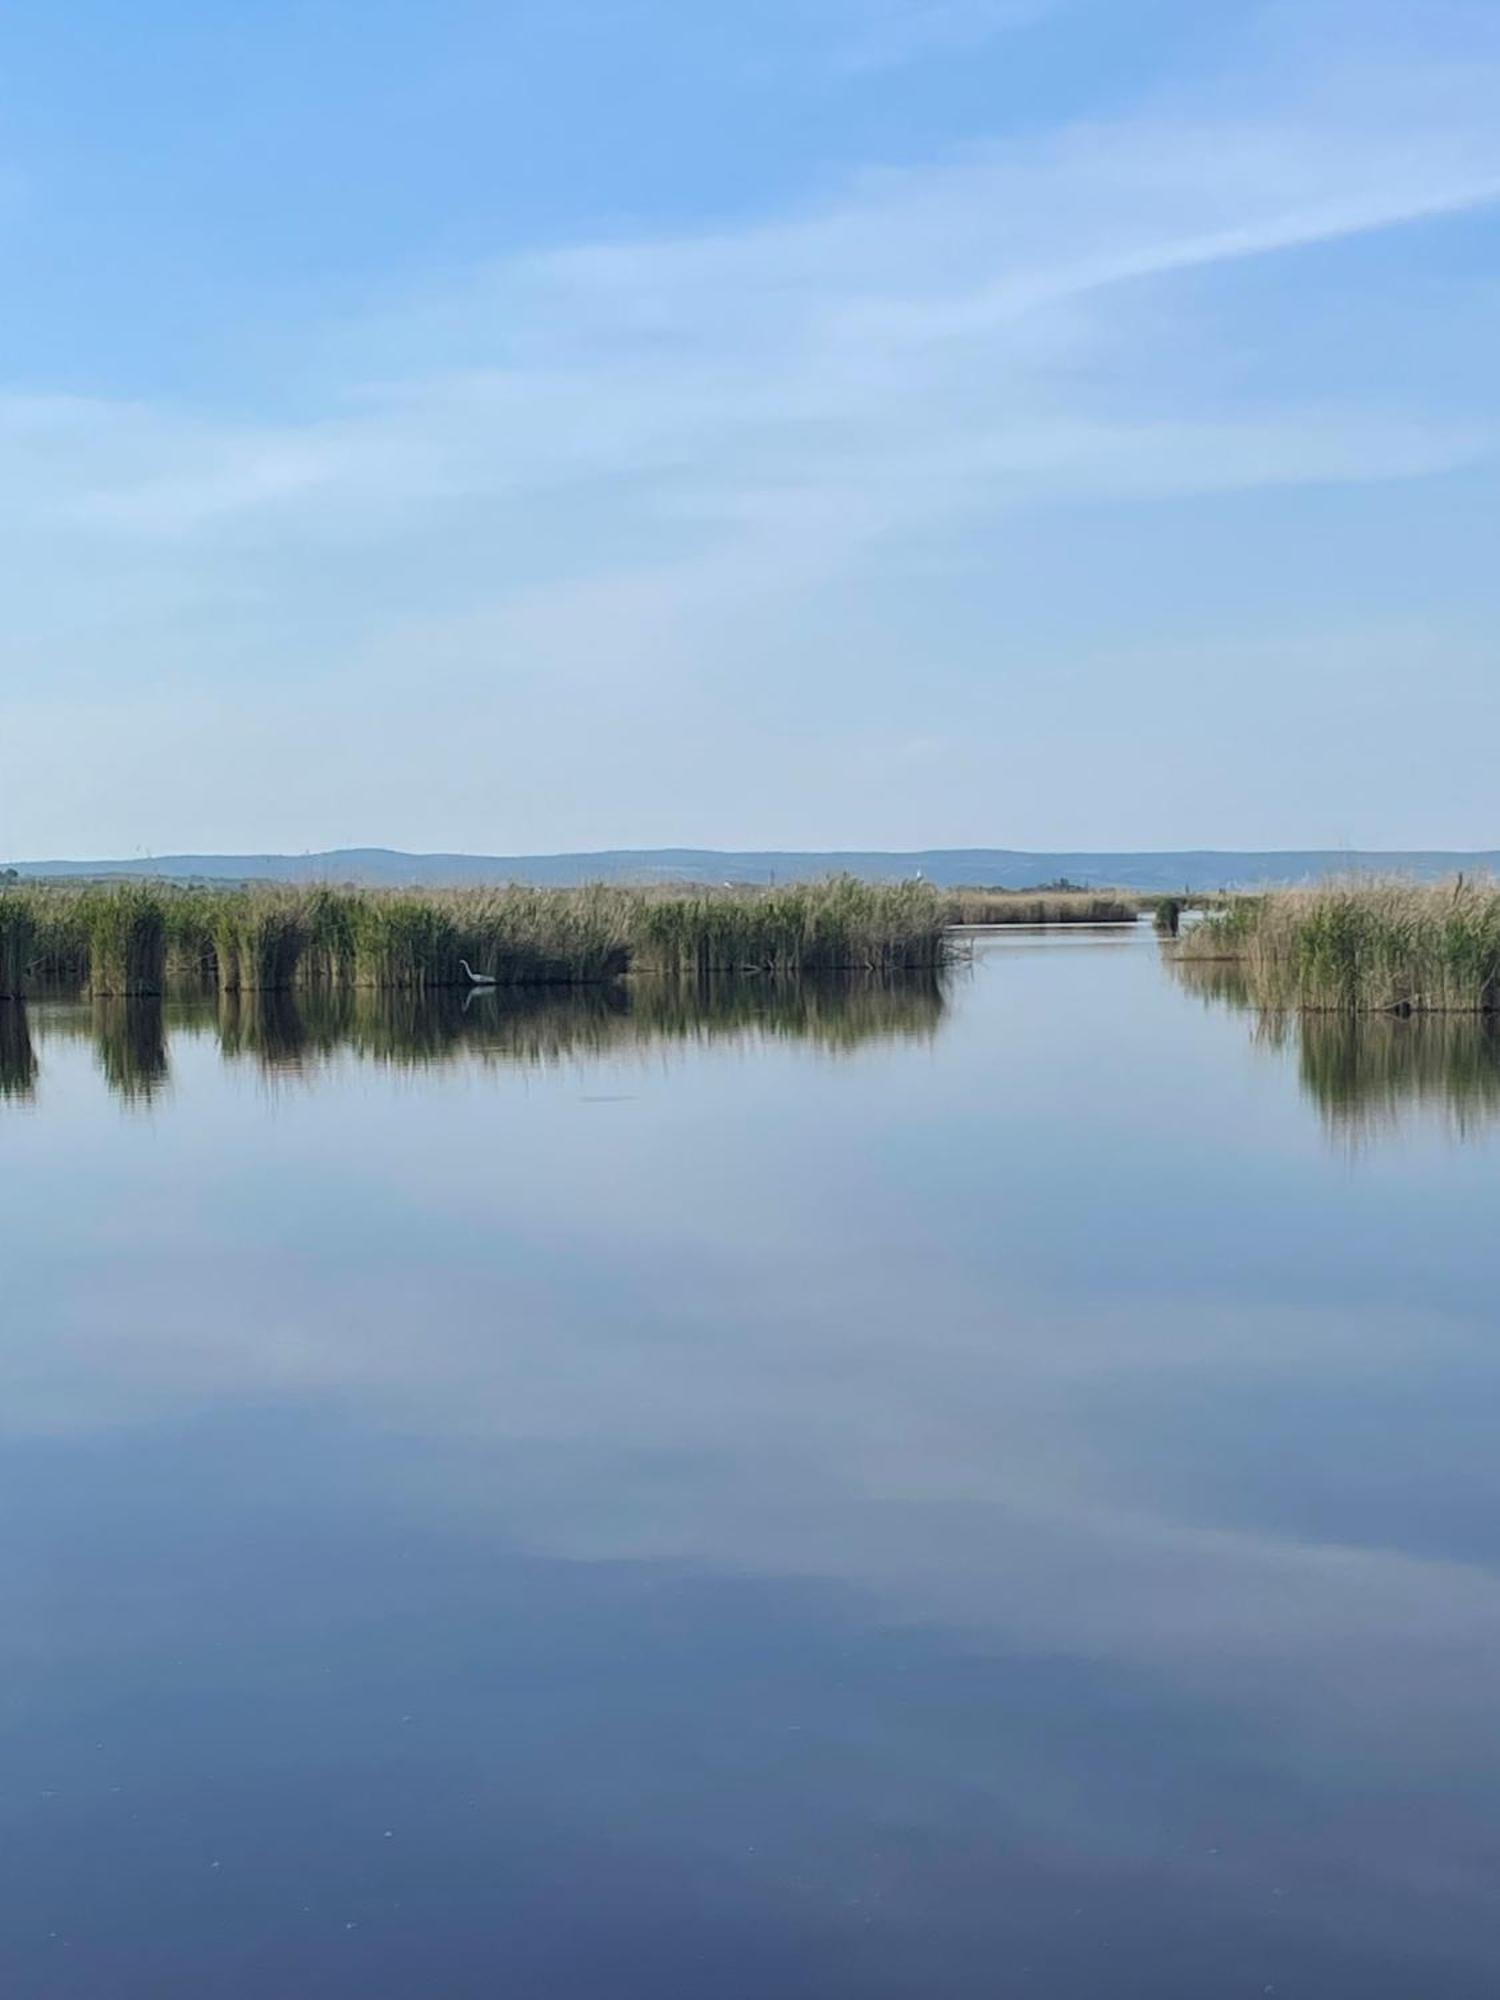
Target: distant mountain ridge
(950,867)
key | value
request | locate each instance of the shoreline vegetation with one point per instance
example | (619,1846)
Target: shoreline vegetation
(980,908)
(1358,947)
(136,938)
(145,938)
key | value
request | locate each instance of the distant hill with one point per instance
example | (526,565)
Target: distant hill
(1000,867)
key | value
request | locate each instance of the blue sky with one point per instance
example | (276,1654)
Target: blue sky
(811,423)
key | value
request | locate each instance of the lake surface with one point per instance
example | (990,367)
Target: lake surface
(954,1493)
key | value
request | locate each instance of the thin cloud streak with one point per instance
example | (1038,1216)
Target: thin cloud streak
(925,311)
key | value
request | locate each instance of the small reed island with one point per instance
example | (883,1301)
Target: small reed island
(979,909)
(1360,947)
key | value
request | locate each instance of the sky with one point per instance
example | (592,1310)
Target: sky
(529,425)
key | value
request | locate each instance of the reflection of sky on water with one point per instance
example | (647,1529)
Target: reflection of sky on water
(835,1525)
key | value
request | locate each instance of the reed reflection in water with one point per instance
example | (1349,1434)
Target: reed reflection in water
(294,1035)
(130,1040)
(1366,1073)
(17,1055)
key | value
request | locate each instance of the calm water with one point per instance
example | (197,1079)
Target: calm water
(919,1494)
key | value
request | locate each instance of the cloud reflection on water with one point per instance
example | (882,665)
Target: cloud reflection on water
(1125,1513)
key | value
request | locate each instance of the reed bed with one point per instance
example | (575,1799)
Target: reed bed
(1029,906)
(515,937)
(841,925)
(17,943)
(1362,947)
(127,941)
(114,940)
(331,945)
(146,937)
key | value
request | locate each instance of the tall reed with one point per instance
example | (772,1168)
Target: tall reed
(189,918)
(127,940)
(17,943)
(522,936)
(329,951)
(130,938)
(61,953)
(842,925)
(405,942)
(259,941)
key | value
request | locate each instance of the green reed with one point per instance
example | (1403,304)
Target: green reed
(259,942)
(407,942)
(18,937)
(127,940)
(841,925)
(331,943)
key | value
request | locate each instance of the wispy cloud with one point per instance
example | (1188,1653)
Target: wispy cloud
(956,336)
(619,460)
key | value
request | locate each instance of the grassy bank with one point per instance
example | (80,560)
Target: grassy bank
(1361,947)
(1040,906)
(142,938)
